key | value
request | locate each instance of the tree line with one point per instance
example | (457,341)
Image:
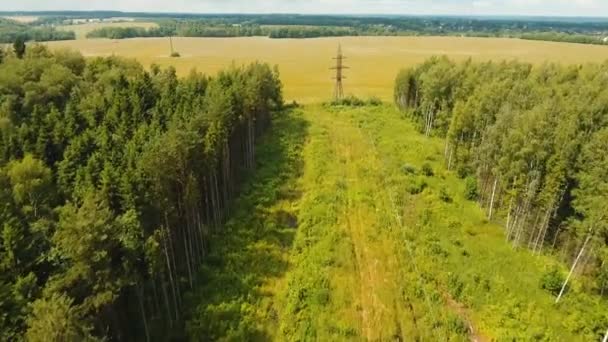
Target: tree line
(294,26)
(11,30)
(112,180)
(535,139)
(589,31)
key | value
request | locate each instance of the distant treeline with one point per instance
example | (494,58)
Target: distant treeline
(11,30)
(574,30)
(314,26)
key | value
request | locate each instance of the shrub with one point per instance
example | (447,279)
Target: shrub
(427,170)
(457,325)
(463,172)
(353,101)
(470,191)
(175,54)
(409,169)
(455,286)
(445,196)
(552,281)
(416,186)
(374,101)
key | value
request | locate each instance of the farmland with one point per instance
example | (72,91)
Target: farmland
(304,63)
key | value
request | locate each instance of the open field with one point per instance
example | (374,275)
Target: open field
(304,64)
(82,30)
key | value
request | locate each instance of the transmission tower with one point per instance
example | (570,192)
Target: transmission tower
(339,90)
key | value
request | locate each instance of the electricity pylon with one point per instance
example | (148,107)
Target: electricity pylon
(339,89)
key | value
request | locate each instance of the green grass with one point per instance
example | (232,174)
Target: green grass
(249,256)
(387,247)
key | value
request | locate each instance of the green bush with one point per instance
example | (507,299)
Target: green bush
(416,186)
(374,101)
(457,325)
(470,191)
(353,101)
(409,169)
(445,196)
(463,172)
(455,286)
(427,170)
(552,281)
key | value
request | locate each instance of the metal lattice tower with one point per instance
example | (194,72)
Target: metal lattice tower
(339,89)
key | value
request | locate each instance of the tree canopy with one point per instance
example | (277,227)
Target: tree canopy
(535,139)
(112,179)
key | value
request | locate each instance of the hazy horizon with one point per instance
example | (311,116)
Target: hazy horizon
(494,8)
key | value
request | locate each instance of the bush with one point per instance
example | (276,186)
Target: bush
(463,172)
(457,325)
(427,170)
(416,186)
(470,191)
(552,281)
(455,286)
(445,196)
(353,101)
(374,101)
(175,54)
(408,169)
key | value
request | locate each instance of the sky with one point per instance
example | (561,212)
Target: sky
(594,8)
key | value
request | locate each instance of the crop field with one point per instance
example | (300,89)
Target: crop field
(304,63)
(82,30)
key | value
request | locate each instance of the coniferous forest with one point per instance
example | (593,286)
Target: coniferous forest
(532,143)
(112,179)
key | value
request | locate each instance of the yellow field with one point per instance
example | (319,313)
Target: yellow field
(82,30)
(22,18)
(304,63)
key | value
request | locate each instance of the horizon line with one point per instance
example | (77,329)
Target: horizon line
(371,14)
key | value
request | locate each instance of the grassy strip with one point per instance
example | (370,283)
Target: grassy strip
(248,259)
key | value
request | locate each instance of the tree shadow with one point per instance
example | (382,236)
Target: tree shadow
(252,248)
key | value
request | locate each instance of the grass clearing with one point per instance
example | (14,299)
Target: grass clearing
(245,270)
(371,259)
(304,63)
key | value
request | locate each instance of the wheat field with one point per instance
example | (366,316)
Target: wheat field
(304,63)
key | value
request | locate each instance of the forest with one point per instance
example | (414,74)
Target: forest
(113,178)
(11,30)
(296,26)
(531,143)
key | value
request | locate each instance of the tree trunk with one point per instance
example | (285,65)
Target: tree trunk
(163,286)
(492,199)
(509,214)
(578,257)
(143,312)
(171,280)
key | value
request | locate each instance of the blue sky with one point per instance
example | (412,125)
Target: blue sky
(596,8)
